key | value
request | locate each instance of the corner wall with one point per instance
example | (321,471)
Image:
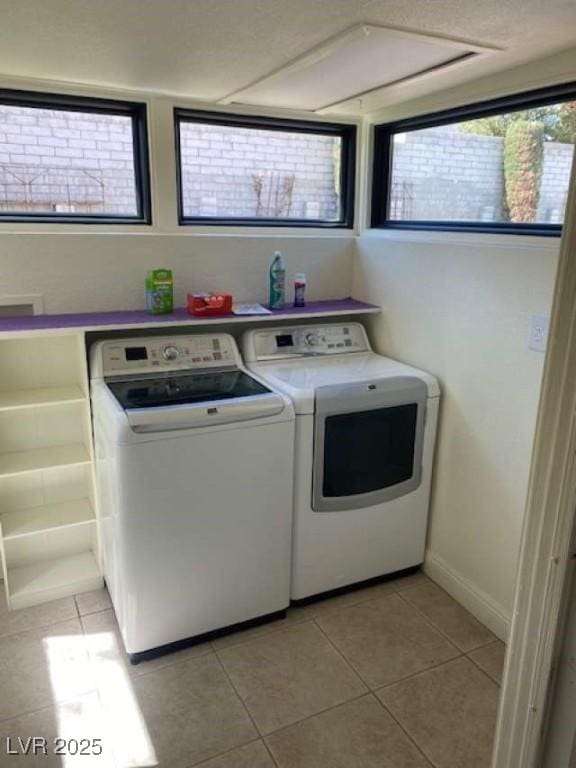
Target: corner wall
(459,307)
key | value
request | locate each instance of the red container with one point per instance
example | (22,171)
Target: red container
(215,304)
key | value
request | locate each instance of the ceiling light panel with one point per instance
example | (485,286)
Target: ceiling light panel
(360,60)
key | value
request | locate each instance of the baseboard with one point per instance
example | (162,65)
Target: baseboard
(480,605)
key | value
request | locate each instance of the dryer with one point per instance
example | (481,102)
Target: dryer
(365,434)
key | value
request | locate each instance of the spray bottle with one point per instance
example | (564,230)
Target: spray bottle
(277,281)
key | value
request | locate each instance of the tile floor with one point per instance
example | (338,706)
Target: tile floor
(394,676)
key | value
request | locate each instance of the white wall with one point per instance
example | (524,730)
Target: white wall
(459,306)
(92,272)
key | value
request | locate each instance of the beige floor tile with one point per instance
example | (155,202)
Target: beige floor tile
(359,734)
(289,675)
(106,648)
(92,602)
(490,658)
(407,582)
(354,597)
(294,615)
(79,720)
(449,617)
(363,594)
(43,666)
(54,612)
(450,712)
(178,715)
(253,755)
(386,640)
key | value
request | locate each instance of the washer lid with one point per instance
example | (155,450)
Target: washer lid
(184,389)
(300,378)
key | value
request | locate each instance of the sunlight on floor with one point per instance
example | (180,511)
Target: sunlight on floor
(109,711)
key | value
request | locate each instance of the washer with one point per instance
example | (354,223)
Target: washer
(365,433)
(194,462)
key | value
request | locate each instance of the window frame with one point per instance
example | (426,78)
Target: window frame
(346,131)
(382,161)
(137,111)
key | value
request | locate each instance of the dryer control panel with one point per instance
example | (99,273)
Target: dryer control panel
(304,341)
(116,357)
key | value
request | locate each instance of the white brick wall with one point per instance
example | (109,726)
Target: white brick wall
(57,161)
(443,174)
(223,168)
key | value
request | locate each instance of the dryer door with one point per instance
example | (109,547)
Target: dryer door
(368,441)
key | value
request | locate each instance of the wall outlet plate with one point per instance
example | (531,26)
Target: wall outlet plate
(538,332)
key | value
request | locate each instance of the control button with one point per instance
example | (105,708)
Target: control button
(217,356)
(170,353)
(348,343)
(207,359)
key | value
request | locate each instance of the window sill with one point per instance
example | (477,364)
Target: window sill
(486,239)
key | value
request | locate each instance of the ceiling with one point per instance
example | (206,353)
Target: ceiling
(210,49)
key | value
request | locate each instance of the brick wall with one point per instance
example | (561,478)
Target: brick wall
(444,174)
(248,173)
(555,181)
(65,161)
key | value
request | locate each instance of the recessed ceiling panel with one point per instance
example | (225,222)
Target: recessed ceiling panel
(358,61)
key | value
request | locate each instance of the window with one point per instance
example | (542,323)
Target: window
(72,159)
(250,170)
(500,166)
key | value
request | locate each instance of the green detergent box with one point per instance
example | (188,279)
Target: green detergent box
(159,291)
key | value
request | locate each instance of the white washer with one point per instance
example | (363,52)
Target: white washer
(194,470)
(365,433)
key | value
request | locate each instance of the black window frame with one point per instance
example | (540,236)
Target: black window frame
(382,161)
(137,111)
(346,131)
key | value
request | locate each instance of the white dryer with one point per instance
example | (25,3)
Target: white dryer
(365,434)
(194,469)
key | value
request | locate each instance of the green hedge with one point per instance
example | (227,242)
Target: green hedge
(523,161)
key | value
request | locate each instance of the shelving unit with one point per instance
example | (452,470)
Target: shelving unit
(48,533)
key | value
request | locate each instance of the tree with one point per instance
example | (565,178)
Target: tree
(523,161)
(558,122)
(567,123)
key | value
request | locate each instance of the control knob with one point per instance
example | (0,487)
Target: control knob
(170,353)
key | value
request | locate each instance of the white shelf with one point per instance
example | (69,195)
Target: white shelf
(52,579)
(27,522)
(36,459)
(32,398)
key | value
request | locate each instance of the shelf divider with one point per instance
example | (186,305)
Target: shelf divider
(36,459)
(52,579)
(29,522)
(11,400)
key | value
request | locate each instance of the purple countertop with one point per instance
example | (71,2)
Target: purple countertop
(95,320)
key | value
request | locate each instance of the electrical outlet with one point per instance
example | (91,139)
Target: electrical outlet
(538,332)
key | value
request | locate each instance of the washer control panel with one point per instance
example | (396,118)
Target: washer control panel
(162,353)
(306,340)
